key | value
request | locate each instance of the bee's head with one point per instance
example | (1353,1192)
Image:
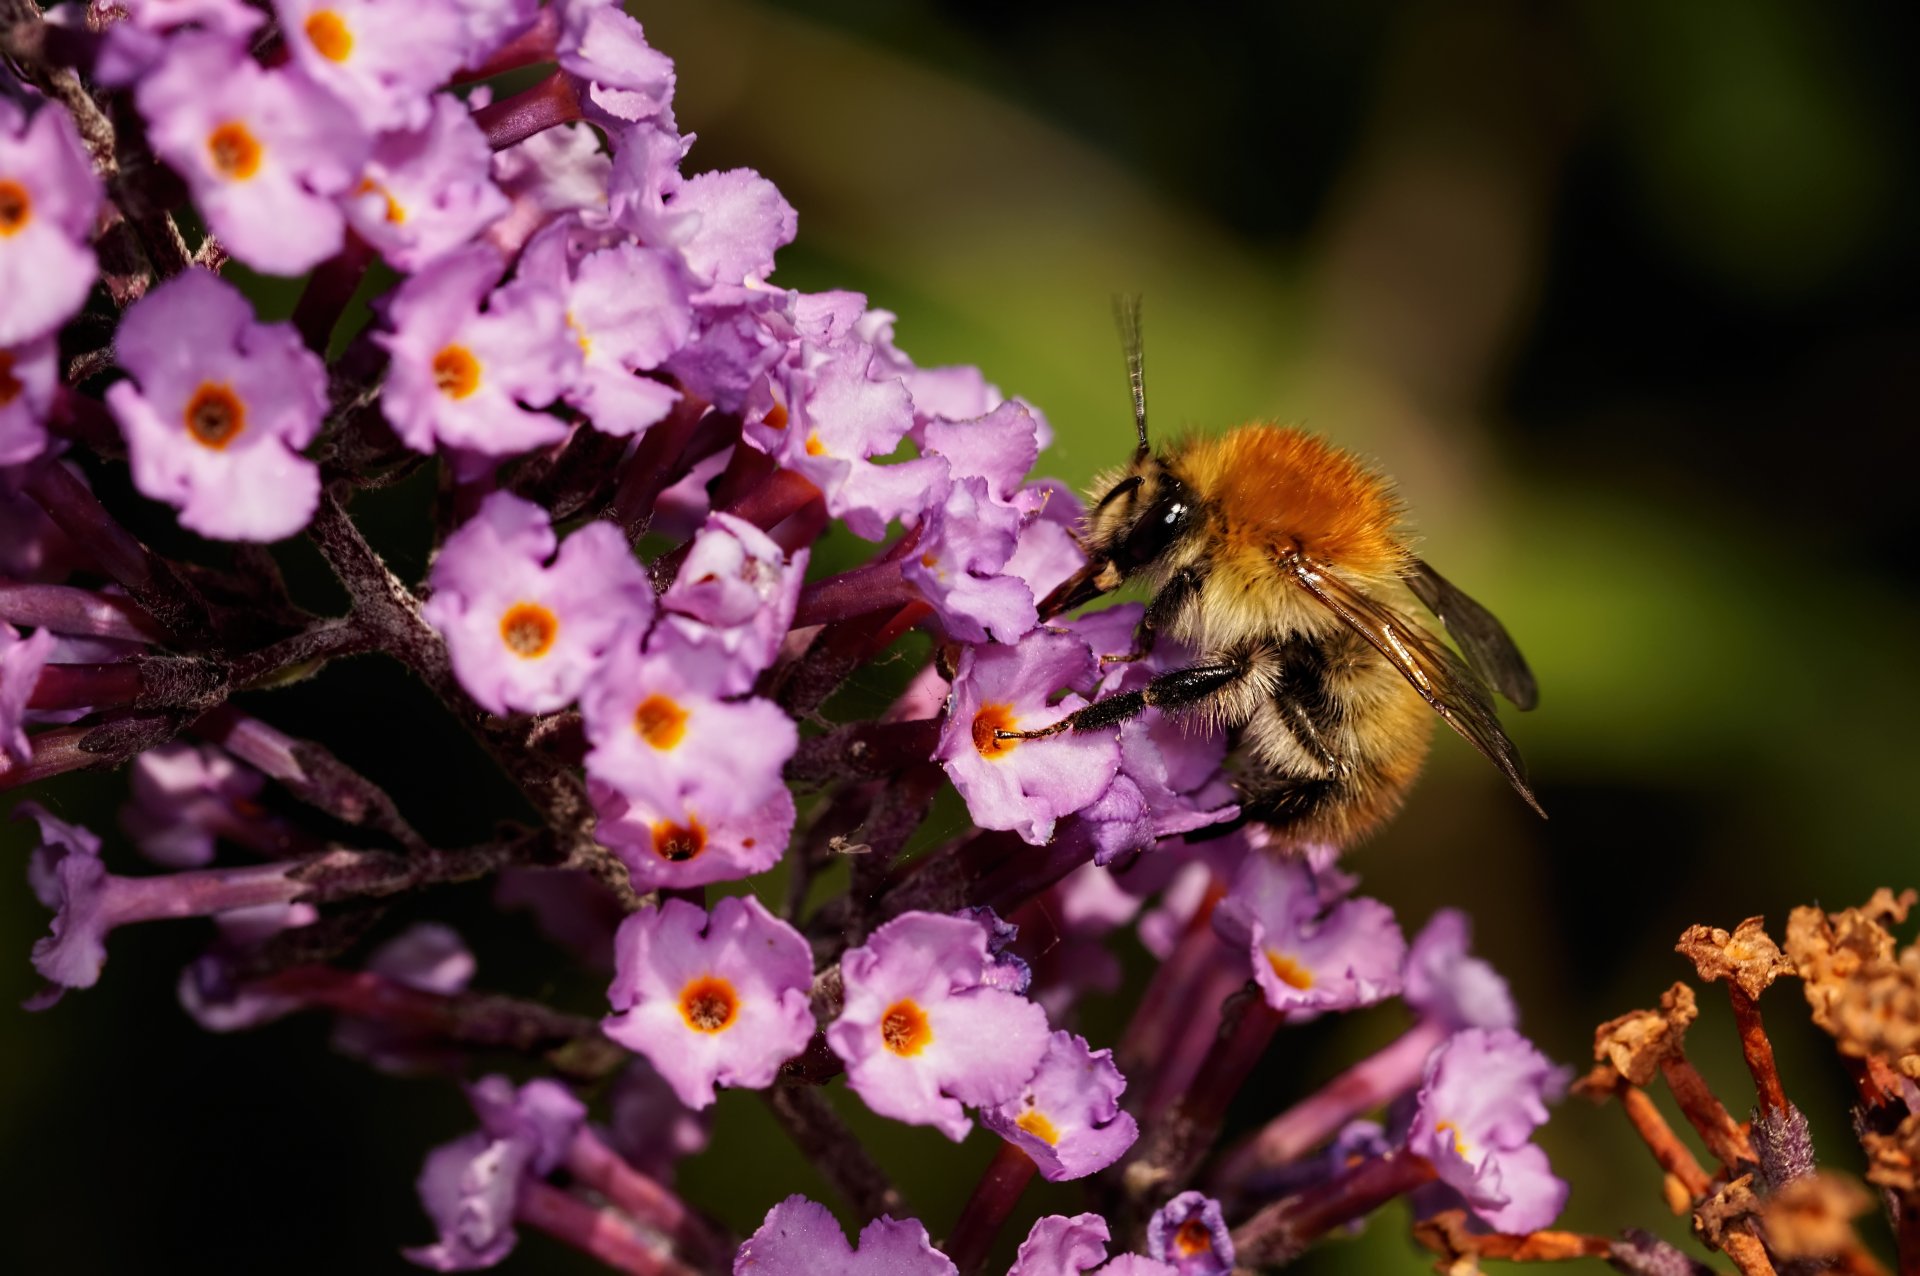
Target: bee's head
(1139,513)
(1138,516)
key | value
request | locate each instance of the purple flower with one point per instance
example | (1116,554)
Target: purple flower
(998,447)
(1048,553)
(1023,785)
(471,1186)
(427,190)
(648,1125)
(1309,955)
(626,79)
(560,170)
(1062,1246)
(221,408)
(662,734)
(1445,983)
(184,797)
(711,999)
(801,1238)
(490,23)
(28,376)
(49,197)
(736,592)
(681,845)
(381,58)
(88,902)
(526,627)
(1485,1093)
(627,308)
(921,1033)
(1190,1232)
(265,151)
(470,378)
(1067,1117)
(21,660)
(965,541)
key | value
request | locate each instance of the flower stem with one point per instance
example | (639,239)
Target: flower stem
(1673,1156)
(86,686)
(595,1165)
(824,1139)
(1757,1049)
(987,1210)
(328,290)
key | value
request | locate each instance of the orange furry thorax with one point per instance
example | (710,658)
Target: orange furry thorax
(1272,488)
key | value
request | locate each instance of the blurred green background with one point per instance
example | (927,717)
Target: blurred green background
(1624,295)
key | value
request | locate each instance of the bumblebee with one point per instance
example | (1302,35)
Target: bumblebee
(1284,562)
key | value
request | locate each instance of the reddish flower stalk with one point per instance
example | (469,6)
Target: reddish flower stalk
(987,1210)
(472,1018)
(1757,1049)
(1673,1156)
(1162,1007)
(87,686)
(534,45)
(329,289)
(600,1233)
(595,1165)
(1283,1230)
(66,609)
(657,462)
(555,100)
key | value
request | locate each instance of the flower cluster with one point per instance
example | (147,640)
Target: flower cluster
(639,436)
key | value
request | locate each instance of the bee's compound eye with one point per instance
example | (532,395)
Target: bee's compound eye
(1164,520)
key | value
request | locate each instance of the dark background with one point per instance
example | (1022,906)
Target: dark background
(1623,293)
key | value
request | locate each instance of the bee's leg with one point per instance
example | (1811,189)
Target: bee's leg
(1166,604)
(1174,689)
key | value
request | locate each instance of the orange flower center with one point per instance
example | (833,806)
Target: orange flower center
(456,372)
(1459,1144)
(660,722)
(529,629)
(331,38)
(395,214)
(904,1028)
(678,843)
(814,446)
(1289,972)
(708,1004)
(16,208)
(1035,1122)
(215,415)
(1192,1238)
(10,385)
(235,150)
(776,418)
(992,718)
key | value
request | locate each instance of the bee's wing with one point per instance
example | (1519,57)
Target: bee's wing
(1440,677)
(1483,640)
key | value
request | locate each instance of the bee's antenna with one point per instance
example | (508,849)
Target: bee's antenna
(1126,314)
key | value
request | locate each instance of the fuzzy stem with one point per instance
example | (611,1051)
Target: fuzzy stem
(1284,1230)
(600,1233)
(86,686)
(555,100)
(824,1139)
(478,1019)
(987,1210)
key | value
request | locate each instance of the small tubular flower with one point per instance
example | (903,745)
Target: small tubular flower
(1067,1116)
(625,78)
(426,191)
(711,998)
(921,1033)
(1445,982)
(49,198)
(1190,1232)
(266,152)
(1062,1246)
(801,1238)
(1308,954)
(736,594)
(526,627)
(217,410)
(1023,785)
(184,797)
(21,660)
(381,58)
(1485,1093)
(27,381)
(470,378)
(682,845)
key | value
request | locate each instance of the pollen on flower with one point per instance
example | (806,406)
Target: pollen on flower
(660,721)
(580,335)
(709,1004)
(776,418)
(1193,1238)
(16,208)
(528,630)
(395,214)
(456,372)
(10,385)
(236,152)
(678,843)
(330,35)
(814,446)
(904,1028)
(991,719)
(1035,1122)
(1289,972)
(1446,1127)
(215,415)
(929,560)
